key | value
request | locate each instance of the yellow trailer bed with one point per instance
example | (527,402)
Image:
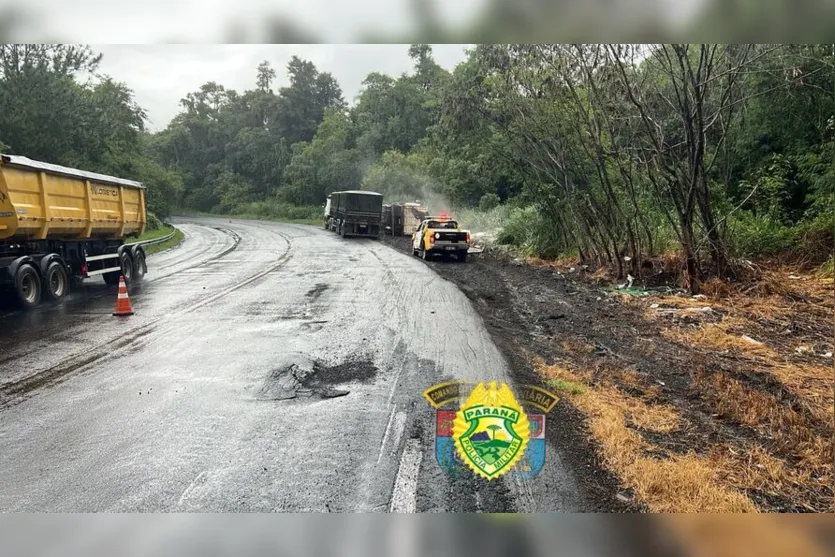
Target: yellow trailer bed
(40,201)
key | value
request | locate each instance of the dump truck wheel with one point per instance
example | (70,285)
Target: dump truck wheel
(139,266)
(462,256)
(57,282)
(126,263)
(28,286)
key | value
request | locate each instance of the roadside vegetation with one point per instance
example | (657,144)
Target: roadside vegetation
(618,155)
(174,241)
(157,229)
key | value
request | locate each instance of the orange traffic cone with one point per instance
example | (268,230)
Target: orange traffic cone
(123,307)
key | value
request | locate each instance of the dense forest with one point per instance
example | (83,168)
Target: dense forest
(609,153)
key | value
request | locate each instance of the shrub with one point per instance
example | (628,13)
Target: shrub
(154,223)
(489,201)
(761,236)
(532,232)
(277,210)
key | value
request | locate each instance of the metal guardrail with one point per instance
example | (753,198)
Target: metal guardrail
(159,240)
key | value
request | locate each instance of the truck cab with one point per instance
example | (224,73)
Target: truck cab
(440,236)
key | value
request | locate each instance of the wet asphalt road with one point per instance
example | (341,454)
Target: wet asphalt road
(220,393)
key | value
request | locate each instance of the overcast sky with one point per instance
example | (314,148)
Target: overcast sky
(161,75)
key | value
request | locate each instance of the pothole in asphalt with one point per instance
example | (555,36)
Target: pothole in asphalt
(318,381)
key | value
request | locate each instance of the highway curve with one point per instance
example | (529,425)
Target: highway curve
(269,367)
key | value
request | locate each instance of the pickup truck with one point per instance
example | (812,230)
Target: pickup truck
(440,236)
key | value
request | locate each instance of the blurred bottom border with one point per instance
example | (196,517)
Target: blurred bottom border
(161,535)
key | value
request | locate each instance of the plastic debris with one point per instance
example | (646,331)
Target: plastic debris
(794,277)
(828,355)
(653,306)
(699,296)
(623,498)
(750,340)
(628,284)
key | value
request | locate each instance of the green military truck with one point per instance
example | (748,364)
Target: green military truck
(354,213)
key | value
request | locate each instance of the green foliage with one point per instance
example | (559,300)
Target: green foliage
(529,229)
(565,386)
(399,177)
(760,236)
(278,210)
(477,220)
(489,201)
(154,223)
(602,151)
(756,236)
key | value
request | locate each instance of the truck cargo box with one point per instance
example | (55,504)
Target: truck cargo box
(413,214)
(356,213)
(45,201)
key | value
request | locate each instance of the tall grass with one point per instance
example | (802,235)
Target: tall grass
(278,210)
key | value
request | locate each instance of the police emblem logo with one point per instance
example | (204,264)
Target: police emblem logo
(495,450)
(491,430)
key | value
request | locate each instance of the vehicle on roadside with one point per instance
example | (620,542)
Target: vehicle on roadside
(59,224)
(440,236)
(354,213)
(402,219)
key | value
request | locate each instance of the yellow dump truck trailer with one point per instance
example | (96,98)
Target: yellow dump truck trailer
(57,223)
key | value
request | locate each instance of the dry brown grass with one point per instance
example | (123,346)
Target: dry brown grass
(790,432)
(781,389)
(676,483)
(724,336)
(716,289)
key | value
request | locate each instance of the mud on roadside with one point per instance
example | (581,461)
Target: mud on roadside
(641,398)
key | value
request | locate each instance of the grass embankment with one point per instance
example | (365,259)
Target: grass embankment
(730,405)
(159,233)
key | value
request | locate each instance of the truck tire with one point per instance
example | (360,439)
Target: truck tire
(126,263)
(56,281)
(140,267)
(28,286)
(462,256)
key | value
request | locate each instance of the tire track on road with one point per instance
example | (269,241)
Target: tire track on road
(12,393)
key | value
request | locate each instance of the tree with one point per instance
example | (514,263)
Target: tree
(265,77)
(300,107)
(59,59)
